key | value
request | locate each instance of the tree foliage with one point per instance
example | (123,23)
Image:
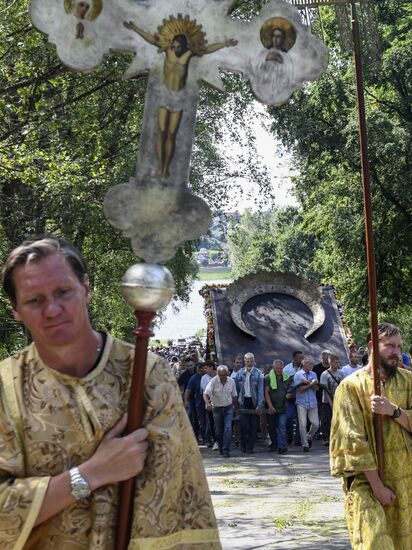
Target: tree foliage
(271,241)
(65,138)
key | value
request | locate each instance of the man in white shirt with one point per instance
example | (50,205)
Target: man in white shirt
(352,366)
(220,395)
(306,384)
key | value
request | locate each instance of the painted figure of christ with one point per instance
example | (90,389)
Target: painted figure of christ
(178,53)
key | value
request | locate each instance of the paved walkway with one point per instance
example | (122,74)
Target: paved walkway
(266,500)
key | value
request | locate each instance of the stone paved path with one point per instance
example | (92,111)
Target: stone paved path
(271,501)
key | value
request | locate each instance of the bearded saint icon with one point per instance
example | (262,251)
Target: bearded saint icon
(272,74)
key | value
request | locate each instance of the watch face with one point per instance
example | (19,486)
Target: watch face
(80,490)
(397,413)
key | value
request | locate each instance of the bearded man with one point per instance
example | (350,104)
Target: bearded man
(378,511)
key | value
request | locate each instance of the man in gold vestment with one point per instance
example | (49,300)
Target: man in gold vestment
(62,415)
(378,512)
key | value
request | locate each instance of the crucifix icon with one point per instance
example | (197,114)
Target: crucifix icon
(181,43)
(180,39)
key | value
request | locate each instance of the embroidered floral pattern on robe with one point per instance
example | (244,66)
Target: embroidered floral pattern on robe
(50,422)
(353,450)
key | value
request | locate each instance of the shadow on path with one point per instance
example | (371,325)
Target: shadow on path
(266,500)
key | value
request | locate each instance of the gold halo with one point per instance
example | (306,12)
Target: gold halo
(96,10)
(92,14)
(277,23)
(173,26)
(68,5)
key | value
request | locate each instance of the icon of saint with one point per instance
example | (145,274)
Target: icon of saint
(272,74)
(81,10)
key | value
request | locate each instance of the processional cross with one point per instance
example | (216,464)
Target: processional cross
(181,43)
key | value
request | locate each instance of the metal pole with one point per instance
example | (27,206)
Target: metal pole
(370,251)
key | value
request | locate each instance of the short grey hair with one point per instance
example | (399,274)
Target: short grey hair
(222,368)
(278,362)
(325,352)
(249,355)
(307,360)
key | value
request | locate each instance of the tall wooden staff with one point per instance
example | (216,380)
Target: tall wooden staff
(367,204)
(370,251)
(147,288)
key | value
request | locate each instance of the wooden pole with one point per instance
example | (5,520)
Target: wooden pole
(134,421)
(370,251)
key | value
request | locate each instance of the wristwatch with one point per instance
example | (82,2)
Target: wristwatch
(79,486)
(396,413)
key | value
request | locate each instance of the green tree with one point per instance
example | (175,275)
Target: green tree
(271,241)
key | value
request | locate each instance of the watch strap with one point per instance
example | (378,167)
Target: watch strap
(396,413)
(79,486)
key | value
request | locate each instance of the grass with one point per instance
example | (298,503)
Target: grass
(297,515)
(227,466)
(269,482)
(331,528)
(224,504)
(303,508)
(330,498)
(212,275)
(282,523)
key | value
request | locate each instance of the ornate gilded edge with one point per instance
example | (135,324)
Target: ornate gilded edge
(245,288)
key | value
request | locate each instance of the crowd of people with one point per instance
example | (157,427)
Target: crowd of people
(286,404)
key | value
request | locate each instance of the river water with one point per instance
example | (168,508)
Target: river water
(189,318)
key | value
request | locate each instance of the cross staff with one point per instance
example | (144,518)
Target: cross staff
(181,43)
(368,216)
(370,249)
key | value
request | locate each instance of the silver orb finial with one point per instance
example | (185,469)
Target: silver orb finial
(148,287)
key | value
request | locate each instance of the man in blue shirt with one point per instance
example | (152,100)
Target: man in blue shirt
(249,385)
(306,384)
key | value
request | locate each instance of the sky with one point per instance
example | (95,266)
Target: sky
(274,157)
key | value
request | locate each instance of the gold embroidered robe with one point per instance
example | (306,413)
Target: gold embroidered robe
(353,450)
(50,422)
